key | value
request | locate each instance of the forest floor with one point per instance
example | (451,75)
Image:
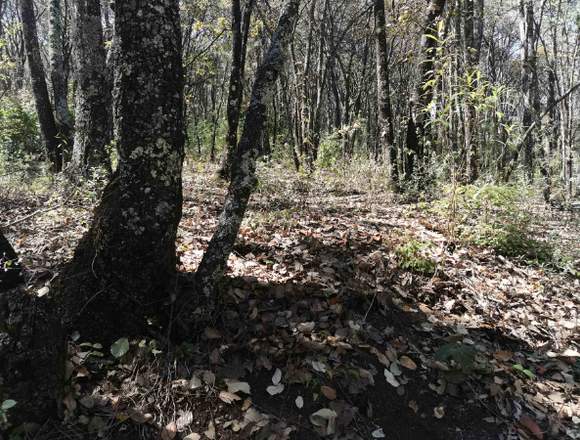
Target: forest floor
(346,314)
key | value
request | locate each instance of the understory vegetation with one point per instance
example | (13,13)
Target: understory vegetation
(289,220)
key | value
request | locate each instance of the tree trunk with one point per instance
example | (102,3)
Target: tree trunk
(128,255)
(424,91)
(240,32)
(385,111)
(58,75)
(46,119)
(124,268)
(93,95)
(10,269)
(244,179)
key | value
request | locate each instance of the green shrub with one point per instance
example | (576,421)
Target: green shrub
(19,136)
(329,152)
(412,257)
(495,216)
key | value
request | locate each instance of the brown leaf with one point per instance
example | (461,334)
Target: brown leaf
(408,363)
(328,392)
(531,425)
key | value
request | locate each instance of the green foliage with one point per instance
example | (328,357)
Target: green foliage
(120,348)
(19,136)
(329,152)
(494,216)
(412,257)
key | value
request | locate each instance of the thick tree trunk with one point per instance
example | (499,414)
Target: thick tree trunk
(46,119)
(385,111)
(124,268)
(244,179)
(240,31)
(93,96)
(128,256)
(10,269)
(58,77)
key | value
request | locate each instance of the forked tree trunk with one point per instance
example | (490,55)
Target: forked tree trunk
(93,95)
(244,178)
(128,256)
(124,268)
(240,31)
(46,119)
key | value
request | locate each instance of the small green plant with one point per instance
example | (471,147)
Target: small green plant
(412,257)
(6,406)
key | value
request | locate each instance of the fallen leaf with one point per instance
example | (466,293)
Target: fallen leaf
(210,433)
(531,425)
(120,348)
(235,387)
(324,419)
(212,333)
(277,376)
(275,389)
(169,432)
(299,402)
(378,433)
(439,412)
(192,436)
(185,419)
(408,363)
(328,392)
(228,398)
(391,379)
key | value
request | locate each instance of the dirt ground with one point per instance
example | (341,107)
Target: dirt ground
(322,333)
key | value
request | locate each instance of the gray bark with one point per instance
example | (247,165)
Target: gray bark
(244,178)
(129,255)
(46,119)
(240,31)
(385,111)
(58,75)
(93,96)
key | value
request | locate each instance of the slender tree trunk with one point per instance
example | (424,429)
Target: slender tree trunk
(93,111)
(244,178)
(58,77)
(46,119)
(240,31)
(529,83)
(385,110)
(424,92)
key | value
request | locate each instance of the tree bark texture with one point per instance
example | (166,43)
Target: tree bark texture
(240,31)
(58,77)
(385,111)
(244,179)
(128,255)
(44,110)
(93,112)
